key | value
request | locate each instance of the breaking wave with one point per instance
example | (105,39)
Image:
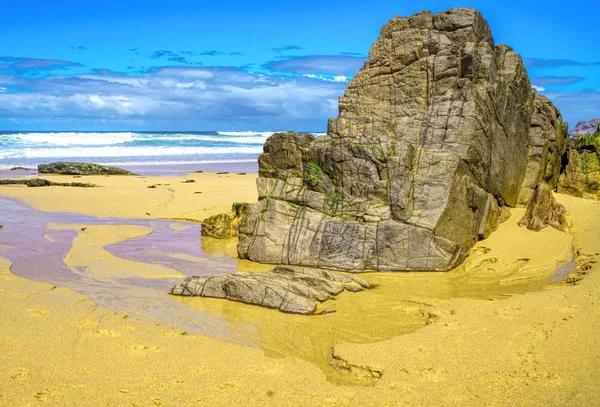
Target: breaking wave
(93,152)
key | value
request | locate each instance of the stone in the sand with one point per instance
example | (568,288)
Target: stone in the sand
(543,210)
(19,169)
(288,289)
(76,168)
(224,225)
(40,182)
(581,177)
(435,135)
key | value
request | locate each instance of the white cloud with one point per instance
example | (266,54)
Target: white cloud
(538,88)
(576,106)
(176,98)
(3,89)
(336,78)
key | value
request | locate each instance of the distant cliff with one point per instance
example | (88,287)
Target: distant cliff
(588,127)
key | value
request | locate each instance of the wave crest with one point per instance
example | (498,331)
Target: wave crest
(91,152)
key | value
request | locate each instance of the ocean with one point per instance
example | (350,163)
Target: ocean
(148,153)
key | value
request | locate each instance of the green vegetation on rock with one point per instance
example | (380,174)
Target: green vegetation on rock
(581,177)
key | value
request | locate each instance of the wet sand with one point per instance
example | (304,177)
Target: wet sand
(501,329)
(131,197)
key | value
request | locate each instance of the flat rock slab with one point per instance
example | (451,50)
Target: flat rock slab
(77,168)
(289,289)
(40,182)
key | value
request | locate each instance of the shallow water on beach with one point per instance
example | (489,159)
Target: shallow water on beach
(129,266)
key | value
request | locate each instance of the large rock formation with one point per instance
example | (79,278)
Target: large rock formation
(549,140)
(581,177)
(435,135)
(75,168)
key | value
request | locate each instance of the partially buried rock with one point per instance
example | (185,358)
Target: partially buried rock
(224,225)
(543,210)
(289,289)
(77,168)
(40,182)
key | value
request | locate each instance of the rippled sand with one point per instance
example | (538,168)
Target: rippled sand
(501,329)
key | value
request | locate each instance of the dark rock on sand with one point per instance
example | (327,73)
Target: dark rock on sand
(581,177)
(19,169)
(289,289)
(224,225)
(40,182)
(543,210)
(435,135)
(75,168)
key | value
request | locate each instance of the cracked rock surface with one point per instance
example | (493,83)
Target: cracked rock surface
(288,289)
(436,134)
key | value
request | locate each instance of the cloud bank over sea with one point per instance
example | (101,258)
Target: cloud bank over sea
(196,66)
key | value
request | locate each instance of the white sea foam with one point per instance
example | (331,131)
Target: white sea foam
(105,139)
(150,163)
(247,133)
(73,152)
(192,137)
(191,162)
(73,138)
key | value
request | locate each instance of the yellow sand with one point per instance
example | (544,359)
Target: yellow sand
(490,346)
(130,197)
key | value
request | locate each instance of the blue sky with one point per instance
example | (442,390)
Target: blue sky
(240,65)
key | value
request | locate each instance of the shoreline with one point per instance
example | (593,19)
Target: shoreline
(515,343)
(160,170)
(142,197)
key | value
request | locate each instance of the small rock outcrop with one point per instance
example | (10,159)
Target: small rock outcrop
(543,210)
(224,225)
(585,127)
(75,168)
(40,182)
(289,289)
(581,176)
(435,135)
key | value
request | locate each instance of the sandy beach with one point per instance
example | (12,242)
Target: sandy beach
(503,328)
